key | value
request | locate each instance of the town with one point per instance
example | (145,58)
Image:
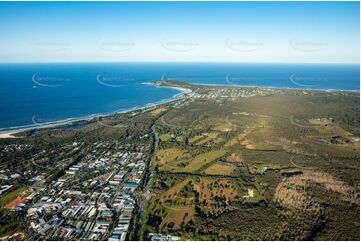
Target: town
(93,200)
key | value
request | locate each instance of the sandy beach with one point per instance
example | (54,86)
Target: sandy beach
(182,89)
(10,134)
(185,90)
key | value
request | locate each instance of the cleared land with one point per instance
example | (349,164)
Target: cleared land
(220,169)
(286,161)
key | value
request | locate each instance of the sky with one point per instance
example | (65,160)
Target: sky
(264,32)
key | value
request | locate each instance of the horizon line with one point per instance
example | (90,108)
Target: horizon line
(174,62)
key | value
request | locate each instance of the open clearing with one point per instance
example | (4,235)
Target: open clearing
(233,170)
(223,125)
(235,157)
(9,197)
(171,154)
(157,111)
(201,160)
(220,169)
(210,138)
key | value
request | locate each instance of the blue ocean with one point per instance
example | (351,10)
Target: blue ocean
(33,94)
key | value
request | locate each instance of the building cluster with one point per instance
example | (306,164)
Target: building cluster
(6,176)
(234,93)
(15,147)
(93,200)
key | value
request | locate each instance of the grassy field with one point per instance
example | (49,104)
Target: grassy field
(230,175)
(235,157)
(212,137)
(176,216)
(220,169)
(176,160)
(195,139)
(231,142)
(170,137)
(7,198)
(166,155)
(223,125)
(165,137)
(157,111)
(201,160)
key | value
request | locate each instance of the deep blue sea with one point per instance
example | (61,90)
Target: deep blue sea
(33,94)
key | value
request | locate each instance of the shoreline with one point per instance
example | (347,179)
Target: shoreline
(279,88)
(10,133)
(182,89)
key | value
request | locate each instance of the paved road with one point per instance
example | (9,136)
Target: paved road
(147,191)
(147,194)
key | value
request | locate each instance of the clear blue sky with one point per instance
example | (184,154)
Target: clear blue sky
(303,32)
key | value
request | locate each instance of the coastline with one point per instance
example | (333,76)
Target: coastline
(279,88)
(182,89)
(12,131)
